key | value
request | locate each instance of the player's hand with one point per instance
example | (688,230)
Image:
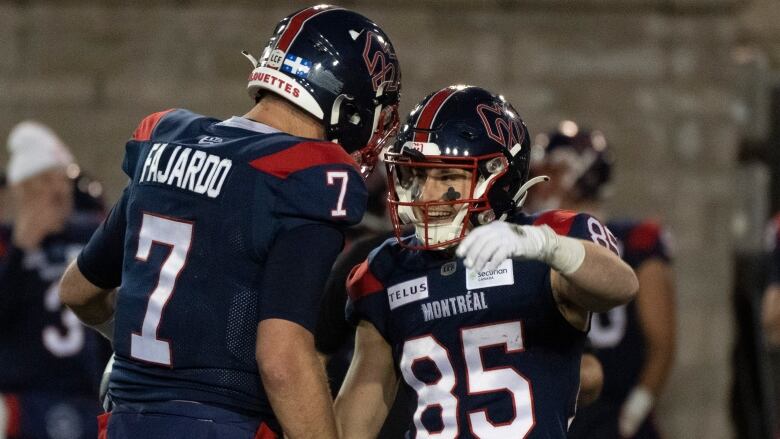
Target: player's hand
(634,411)
(486,247)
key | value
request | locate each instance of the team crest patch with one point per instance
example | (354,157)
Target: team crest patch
(449,268)
(295,65)
(210,140)
(503,275)
(407,292)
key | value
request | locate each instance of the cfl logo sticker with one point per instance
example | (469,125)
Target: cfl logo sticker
(276,58)
(339,211)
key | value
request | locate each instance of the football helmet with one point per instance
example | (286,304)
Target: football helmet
(341,68)
(461,159)
(579,162)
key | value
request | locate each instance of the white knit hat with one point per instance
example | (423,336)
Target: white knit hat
(34,148)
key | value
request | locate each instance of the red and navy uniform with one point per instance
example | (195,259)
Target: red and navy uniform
(222,225)
(50,364)
(486,354)
(618,340)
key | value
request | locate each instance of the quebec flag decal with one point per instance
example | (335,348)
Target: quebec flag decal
(296,65)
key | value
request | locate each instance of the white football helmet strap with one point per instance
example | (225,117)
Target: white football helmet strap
(522,193)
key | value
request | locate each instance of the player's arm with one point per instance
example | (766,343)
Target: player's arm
(87,285)
(292,374)
(92,304)
(369,388)
(770,314)
(585,276)
(657,316)
(294,379)
(656,309)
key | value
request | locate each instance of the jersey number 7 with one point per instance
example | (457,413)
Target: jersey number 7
(177,235)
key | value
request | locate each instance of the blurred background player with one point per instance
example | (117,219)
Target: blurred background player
(770,312)
(770,309)
(488,341)
(49,362)
(635,342)
(220,287)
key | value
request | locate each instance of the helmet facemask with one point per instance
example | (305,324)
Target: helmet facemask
(346,127)
(442,196)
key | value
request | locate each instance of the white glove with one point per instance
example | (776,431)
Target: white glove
(634,411)
(486,247)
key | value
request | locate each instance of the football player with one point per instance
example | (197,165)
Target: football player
(488,337)
(225,235)
(49,363)
(770,307)
(635,342)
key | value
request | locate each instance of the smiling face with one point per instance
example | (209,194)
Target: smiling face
(443,185)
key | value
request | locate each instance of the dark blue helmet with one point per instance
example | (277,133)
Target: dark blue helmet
(341,68)
(460,128)
(580,159)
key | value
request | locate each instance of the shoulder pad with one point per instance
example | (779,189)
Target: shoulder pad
(361,282)
(579,225)
(319,181)
(145,129)
(301,156)
(561,221)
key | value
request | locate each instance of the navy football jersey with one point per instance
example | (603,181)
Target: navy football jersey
(190,242)
(616,335)
(43,346)
(486,354)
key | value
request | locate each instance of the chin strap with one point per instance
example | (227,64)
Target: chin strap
(522,193)
(250,58)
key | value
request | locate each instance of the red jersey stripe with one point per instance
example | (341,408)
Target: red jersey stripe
(144,130)
(559,220)
(361,282)
(264,432)
(302,156)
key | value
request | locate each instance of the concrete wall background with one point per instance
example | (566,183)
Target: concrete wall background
(671,83)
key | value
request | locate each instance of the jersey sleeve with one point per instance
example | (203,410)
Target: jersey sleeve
(294,280)
(100,261)
(333,330)
(579,225)
(317,182)
(646,241)
(365,298)
(144,132)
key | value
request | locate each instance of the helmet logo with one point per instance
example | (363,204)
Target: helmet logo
(499,128)
(275,59)
(377,64)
